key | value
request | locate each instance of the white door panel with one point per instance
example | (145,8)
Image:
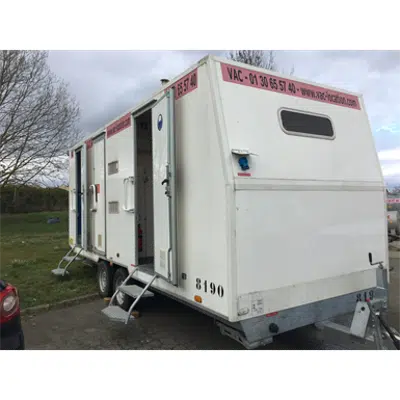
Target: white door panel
(120,192)
(97,197)
(84,208)
(72,198)
(164,188)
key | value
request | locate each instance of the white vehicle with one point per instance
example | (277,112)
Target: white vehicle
(233,189)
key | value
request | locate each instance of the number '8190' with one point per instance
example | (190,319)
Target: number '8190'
(365,296)
(209,287)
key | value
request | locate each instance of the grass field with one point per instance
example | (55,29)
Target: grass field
(30,248)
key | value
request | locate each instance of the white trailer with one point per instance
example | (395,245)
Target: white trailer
(236,190)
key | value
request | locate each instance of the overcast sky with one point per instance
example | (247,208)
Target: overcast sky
(107,83)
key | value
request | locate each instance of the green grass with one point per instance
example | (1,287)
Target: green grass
(30,248)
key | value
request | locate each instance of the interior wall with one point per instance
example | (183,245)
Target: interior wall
(144,179)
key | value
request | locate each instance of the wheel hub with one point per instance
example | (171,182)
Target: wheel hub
(120,296)
(103,280)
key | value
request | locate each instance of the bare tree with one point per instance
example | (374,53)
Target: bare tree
(396,190)
(257,58)
(38,119)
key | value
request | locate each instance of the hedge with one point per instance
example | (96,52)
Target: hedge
(26,199)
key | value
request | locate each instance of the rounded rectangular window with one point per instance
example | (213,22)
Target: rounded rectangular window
(303,124)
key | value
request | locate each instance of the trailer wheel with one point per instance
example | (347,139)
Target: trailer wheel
(123,300)
(105,275)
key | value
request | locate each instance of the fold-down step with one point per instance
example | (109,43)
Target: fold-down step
(134,291)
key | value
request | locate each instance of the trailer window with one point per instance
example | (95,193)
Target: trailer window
(298,123)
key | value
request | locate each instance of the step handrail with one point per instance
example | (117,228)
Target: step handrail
(139,297)
(122,284)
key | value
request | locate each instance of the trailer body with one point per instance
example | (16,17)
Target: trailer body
(242,185)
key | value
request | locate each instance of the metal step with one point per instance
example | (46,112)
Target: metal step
(59,272)
(134,291)
(70,258)
(116,313)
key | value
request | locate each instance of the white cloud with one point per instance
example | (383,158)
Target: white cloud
(390,155)
(392,128)
(390,164)
(392,171)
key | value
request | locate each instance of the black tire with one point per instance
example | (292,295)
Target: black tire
(105,277)
(121,299)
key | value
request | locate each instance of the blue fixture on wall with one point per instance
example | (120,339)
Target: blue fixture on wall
(244,163)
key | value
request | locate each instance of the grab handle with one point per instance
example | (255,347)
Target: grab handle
(126,182)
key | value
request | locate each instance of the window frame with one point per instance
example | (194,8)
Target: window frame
(303,134)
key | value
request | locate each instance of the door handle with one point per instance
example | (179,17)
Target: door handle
(92,188)
(166,181)
(126,181)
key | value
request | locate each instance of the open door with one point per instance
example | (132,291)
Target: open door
(164,188)
(72,231)
(96,196)
(120,224)
(83,191)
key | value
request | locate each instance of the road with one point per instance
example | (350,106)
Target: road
(166,324)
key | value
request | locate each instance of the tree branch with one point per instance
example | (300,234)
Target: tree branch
(257,58)
(38,117)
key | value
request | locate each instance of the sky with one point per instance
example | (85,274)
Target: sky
(107,83)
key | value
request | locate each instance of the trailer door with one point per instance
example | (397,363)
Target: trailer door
(96,197)
(164,187)
(84,206)
(72,217)
(121,243)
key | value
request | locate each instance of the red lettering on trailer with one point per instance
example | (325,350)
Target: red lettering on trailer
(118,126)
(392,201)
(185,85)
(89,144)
(290,87)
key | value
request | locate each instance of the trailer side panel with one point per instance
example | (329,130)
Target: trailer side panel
(299,236)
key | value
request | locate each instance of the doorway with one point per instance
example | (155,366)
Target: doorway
(144,190)
(156,189)
(96,196)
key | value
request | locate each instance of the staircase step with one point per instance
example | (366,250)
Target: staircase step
(134,291)
(70,258)
(116,313)
(59,272)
